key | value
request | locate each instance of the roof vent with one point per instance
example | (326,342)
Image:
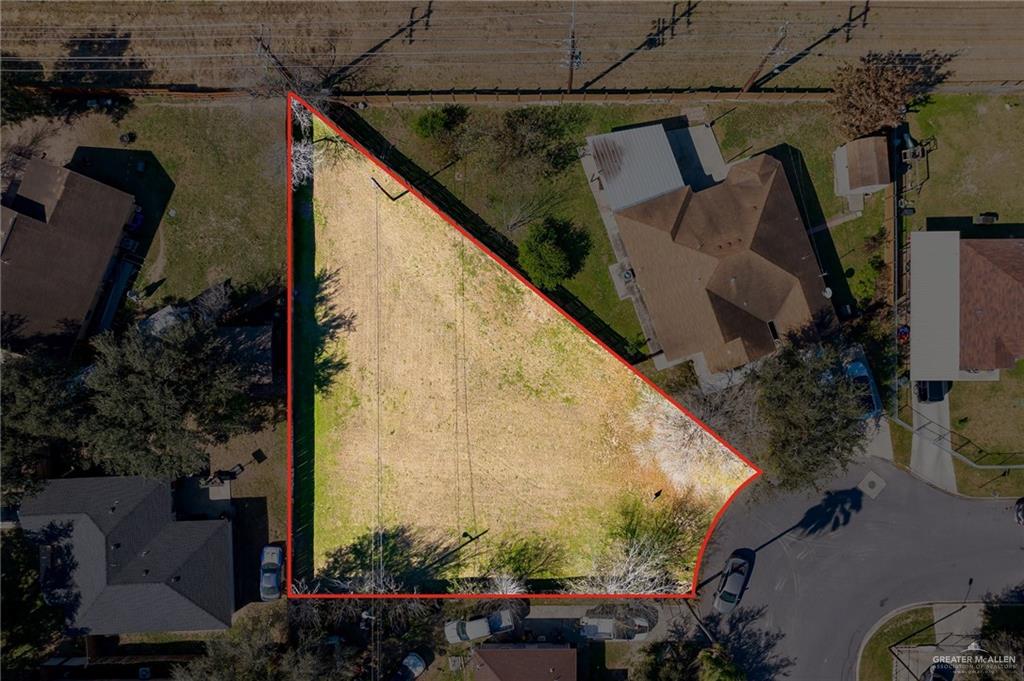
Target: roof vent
(116,545)
(145,571)
(176,578)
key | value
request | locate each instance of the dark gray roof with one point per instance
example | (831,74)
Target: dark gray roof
(135,568)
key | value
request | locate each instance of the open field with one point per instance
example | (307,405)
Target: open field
(466,402)
(217,167)
(513,45)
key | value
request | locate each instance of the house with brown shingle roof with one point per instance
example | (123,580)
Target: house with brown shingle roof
(716,257)
(61,235)
(966,306)
(860,168)
(524,662)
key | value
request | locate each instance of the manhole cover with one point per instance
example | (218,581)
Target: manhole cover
(871,485)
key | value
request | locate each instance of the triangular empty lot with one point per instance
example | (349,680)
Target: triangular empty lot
(466,436)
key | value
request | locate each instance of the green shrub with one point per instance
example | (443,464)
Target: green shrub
(553,251)
(435,123)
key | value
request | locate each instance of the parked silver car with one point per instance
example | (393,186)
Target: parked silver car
(473,630)
(271,572)
(733,582)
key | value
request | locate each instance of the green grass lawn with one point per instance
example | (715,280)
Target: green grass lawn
(991,413)
(226,163)
(979,158)
(876,660)
(902,442)
(492,194)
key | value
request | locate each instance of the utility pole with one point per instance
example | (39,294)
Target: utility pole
(574,54)
(768,55)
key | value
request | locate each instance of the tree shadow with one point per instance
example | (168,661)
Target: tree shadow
(330,323)
(100,60)
(397,559)
(93,61)
(750,646)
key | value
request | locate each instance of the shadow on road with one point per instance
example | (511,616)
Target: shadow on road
(835,511)
(750,645)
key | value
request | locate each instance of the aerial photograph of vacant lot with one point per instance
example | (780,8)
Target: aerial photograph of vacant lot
(472,439)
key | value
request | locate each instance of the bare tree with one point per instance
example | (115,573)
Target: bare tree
(693,460)
(629,567)
(303,162)
(880,89)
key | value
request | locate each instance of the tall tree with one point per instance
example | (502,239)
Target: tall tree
(714,664)
(40,409)
(814,415)
(157,403)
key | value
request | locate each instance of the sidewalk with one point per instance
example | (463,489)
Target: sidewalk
(930,456)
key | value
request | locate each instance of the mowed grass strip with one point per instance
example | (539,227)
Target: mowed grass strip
(876,661)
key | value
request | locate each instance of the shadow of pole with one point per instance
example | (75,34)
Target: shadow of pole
(834,511)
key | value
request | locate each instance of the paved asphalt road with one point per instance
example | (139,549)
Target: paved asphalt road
(828,566)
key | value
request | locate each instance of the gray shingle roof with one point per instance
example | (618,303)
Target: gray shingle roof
(135,568)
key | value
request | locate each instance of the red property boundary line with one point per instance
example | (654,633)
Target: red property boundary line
(692,593)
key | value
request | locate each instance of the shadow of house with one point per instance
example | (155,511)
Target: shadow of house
(69,255)
(136,172)
(792,160)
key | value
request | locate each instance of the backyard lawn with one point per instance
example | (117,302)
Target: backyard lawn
(876,661)
(221,202)
(978,160)
(494,195)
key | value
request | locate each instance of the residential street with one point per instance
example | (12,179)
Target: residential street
(830,565)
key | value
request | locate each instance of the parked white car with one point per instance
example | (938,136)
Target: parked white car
(461,631)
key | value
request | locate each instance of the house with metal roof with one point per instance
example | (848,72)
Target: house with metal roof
(113,554)
(61,236)
(714,256)
(966,306)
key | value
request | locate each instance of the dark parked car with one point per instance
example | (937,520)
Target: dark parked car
(271,569)
(859,373)
(1019,510)
(931,391)
(733,581)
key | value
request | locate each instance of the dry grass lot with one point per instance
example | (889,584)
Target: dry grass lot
(468,403)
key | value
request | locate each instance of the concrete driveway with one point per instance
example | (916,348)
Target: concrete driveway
(930,456)
(828,566)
